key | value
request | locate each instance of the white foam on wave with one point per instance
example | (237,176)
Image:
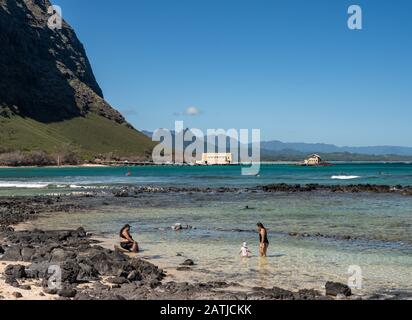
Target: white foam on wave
(87,187)
(345,177)
(75,186)
(72,186)
(45,185)
(23,185)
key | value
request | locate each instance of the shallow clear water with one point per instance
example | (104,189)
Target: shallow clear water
(382,225)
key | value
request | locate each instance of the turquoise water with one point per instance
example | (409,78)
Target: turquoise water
(380,225)
(55,178)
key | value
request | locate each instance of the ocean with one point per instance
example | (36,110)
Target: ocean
(77,178)
(372,232)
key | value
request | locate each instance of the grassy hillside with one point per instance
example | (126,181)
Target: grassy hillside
(90,136)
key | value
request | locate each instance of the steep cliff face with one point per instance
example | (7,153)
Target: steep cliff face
(49,98)
(45,74)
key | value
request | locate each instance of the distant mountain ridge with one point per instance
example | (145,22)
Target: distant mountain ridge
(330,148)
(281,151)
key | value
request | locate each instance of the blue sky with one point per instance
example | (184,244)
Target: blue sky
(290,68)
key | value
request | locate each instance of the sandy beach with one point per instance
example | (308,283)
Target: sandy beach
(8,292)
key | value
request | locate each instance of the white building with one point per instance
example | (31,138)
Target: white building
(313,160)
(214,159)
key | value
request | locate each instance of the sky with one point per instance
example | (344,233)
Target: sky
(292,69)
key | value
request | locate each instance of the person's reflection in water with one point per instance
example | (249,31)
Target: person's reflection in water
(263,271)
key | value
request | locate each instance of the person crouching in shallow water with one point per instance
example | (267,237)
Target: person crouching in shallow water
(263,240)
(127,242)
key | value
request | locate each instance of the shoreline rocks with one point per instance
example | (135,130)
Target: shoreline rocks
(79,260)
(322,236)
(75,258)
(15,210)
(130,191)
(17,295)
(335,289)
(82,260)
(352,188)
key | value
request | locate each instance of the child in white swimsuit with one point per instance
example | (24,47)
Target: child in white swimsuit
(244,251)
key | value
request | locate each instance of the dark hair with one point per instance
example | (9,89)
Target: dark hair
(260,225)
(126,226)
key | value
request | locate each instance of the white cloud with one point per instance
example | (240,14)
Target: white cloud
(192,111)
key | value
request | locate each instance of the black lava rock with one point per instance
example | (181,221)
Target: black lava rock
(334,289)
(17,295)
(12,253)
(67,293)
(15,271)
(50,291)
(188,262)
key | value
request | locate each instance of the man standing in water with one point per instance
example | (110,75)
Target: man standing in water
(263,240)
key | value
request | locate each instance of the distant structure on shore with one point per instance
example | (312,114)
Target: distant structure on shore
(313,161)
(216,159)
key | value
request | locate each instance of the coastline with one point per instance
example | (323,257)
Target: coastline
(280,162)
(111,275)
(174,284)
(64,166)
(171,286)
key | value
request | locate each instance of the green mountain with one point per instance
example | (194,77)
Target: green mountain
(89,136)
(50,101)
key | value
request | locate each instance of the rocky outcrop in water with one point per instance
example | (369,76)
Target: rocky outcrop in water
(129,191)
(334,289)
(14,210)
(403,190)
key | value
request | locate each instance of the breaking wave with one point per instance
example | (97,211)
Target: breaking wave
(44,185)
(342,177)
(24,185)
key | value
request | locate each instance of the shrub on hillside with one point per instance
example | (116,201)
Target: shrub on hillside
(12,159)
(69,158)
(39,158)
(18,158)
(5,150)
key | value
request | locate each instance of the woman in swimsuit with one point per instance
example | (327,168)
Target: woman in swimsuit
(263,240)
(127,242)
